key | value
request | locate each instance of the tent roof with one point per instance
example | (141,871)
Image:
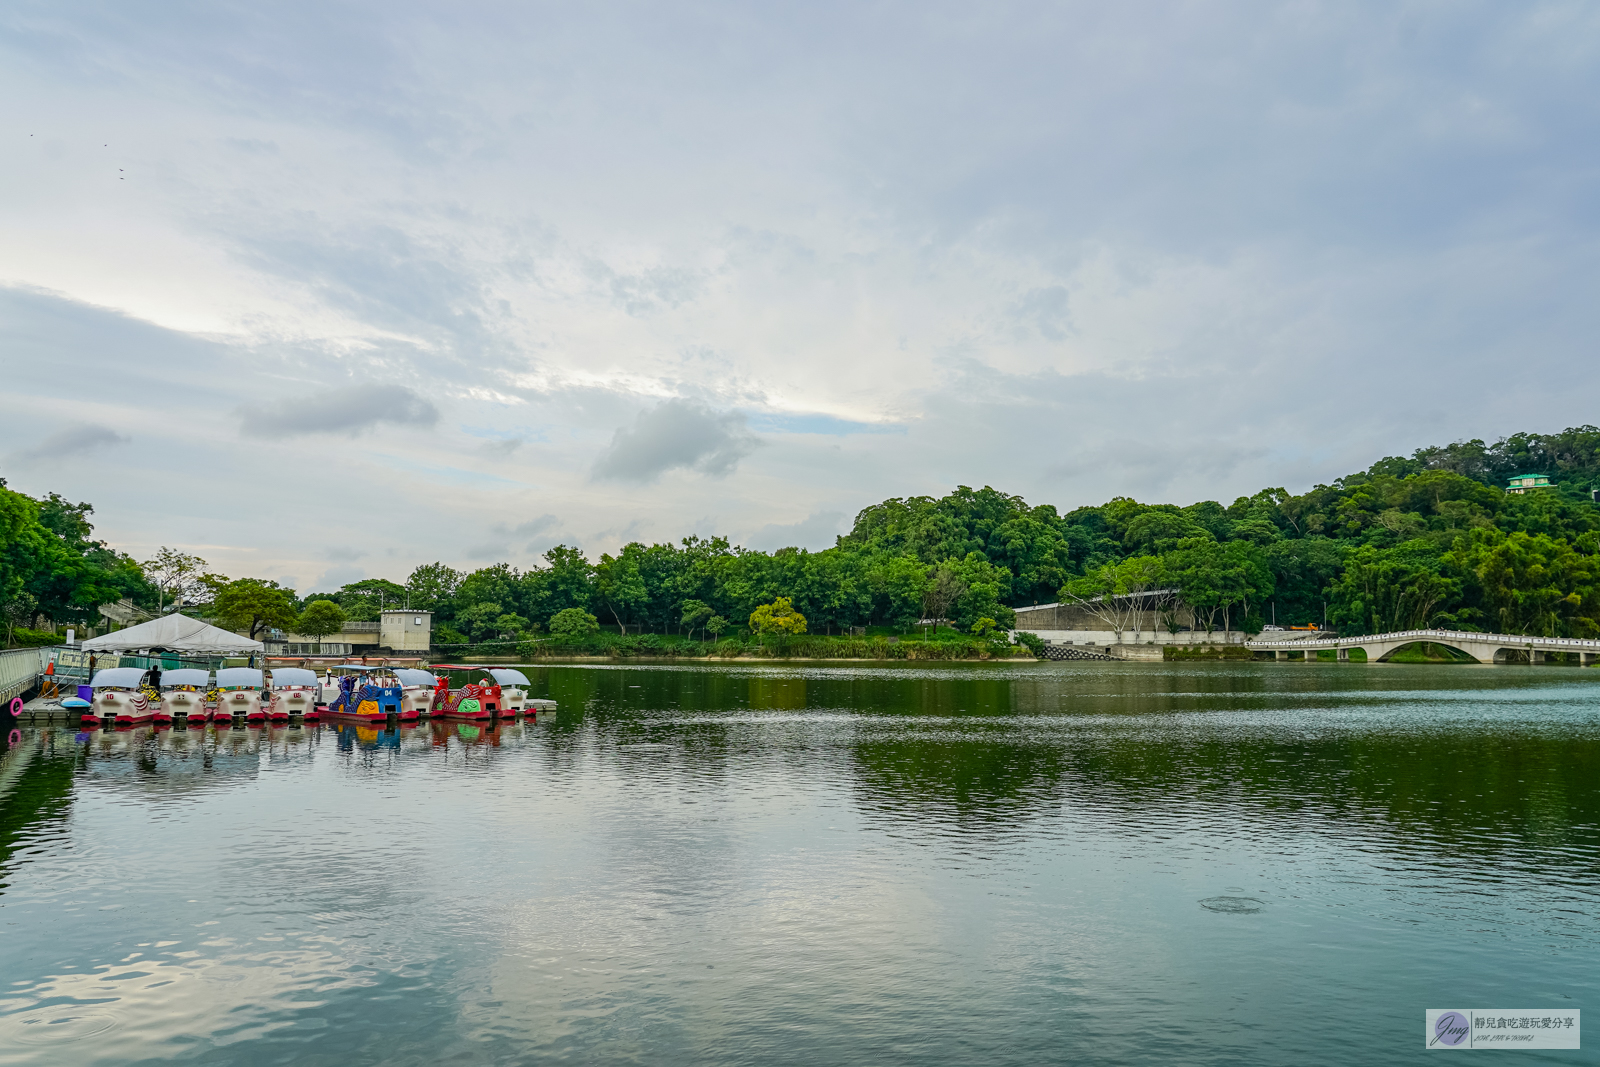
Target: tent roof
(178,633)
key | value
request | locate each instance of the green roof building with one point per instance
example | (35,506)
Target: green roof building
(1523,482)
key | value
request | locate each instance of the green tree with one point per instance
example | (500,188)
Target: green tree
(319,619)
(716,624)
(573,623)
(1385,590)
(432,586)
(695,612)
(251,605)
(778,619)
(620,585)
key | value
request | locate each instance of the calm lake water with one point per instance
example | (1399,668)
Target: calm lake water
(878,865)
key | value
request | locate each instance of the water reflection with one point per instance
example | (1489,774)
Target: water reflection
(812,865)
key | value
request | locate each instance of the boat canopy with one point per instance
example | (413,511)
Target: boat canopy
(176,633)
(186,676)
(507,676)
(409,677)
(242,676)
(126,677)
(293,676)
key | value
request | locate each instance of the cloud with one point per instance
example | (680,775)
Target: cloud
(815,532)
(70,443)
(675,434)
(348,411)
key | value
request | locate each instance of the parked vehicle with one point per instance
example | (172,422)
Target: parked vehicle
(294,693)
(239,695)
(118,698)
(183,695)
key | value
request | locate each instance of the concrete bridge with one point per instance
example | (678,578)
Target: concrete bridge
(1485,648)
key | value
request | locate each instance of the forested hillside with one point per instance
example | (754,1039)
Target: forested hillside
(1430,540)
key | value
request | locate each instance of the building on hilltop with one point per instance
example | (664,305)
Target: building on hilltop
(1523,482)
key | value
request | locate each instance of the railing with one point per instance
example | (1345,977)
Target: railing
(1445,637)
(19,668)
(359,628)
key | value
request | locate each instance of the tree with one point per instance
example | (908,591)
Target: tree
(1118,594)
(779,619)
(573,623)
(174,574)
(431,586)
(319,619)
(716,624)
(18,609)
(619,583)
(694,613)
(251,605)
(480,618)
(944,588)
(510,624)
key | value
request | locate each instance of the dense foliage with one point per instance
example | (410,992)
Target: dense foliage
(1430,540)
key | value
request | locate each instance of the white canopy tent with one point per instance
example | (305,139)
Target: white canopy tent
(175,633)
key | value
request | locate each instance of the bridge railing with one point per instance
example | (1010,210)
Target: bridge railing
(1443,637)
(19,667)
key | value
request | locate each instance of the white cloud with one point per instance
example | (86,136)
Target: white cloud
(676,434)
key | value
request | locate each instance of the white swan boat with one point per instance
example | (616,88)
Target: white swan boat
(295,691)
(118,698)
(417,692)
(514,686)
(239,694)
(183,694)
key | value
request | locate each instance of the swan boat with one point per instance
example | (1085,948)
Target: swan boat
(294,693)
(475,700)
(514,686)
(418,690)
(371,694)
(183,695)
(118,698)
(239,695)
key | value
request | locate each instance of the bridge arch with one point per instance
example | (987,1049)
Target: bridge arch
(1463,655)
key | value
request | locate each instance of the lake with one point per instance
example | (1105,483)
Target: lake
(993,864)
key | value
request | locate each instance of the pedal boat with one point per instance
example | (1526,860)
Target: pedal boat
(239,695)
(183,695)
(294,693)
(366,694)
(479,701)
(417,692)
(514,686)
(118,700)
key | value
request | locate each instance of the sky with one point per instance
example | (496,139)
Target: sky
(324,291)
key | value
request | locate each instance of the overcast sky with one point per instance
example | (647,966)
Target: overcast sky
(324,290)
